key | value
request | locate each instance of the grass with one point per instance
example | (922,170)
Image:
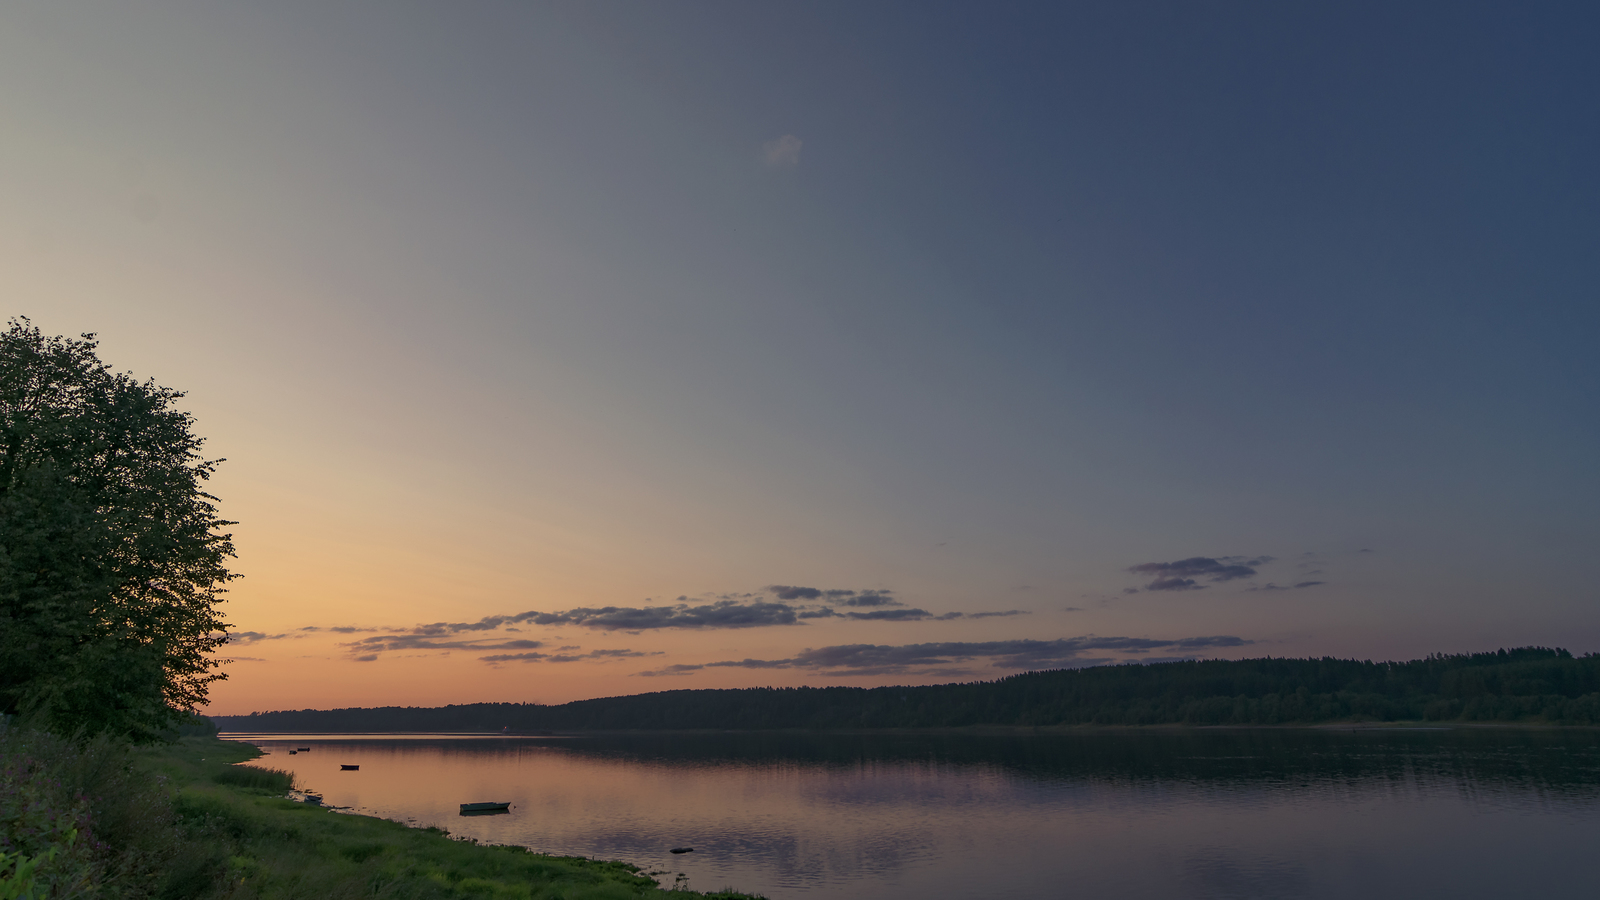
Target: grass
(184,821)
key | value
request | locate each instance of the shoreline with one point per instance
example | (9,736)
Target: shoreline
(978,730)
(282,845)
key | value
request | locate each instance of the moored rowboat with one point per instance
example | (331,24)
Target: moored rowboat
(486,806)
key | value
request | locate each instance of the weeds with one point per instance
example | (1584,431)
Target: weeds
(254,778)
(77,819)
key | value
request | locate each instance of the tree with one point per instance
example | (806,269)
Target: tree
(112,558)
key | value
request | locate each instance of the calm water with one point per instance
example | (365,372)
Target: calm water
(1210,814)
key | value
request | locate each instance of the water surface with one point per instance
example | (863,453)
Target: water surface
(1267,813)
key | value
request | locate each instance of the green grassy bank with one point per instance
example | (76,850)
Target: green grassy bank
(186,822)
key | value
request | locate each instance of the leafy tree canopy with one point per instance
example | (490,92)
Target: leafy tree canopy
(112,558)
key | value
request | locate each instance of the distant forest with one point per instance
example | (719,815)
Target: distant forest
(1528,684)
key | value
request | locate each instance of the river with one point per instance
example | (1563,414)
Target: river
(1131,814)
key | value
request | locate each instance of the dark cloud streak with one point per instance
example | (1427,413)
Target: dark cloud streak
(720,614)
(864,659)
(834,595)
(391,642)
(1185,574)
(568,657)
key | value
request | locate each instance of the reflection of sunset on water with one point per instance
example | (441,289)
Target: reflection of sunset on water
(1132,816)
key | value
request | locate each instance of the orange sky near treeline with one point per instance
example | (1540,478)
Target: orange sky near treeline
(329,565)
(387,563)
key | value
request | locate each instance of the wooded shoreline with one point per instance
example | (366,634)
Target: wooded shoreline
(1530,685)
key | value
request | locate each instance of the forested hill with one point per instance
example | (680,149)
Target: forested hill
(1525,684)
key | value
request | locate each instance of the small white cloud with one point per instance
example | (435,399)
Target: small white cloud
(783,153)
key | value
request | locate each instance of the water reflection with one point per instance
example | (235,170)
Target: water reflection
(1201,814)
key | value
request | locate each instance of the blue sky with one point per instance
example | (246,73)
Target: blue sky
(499,308)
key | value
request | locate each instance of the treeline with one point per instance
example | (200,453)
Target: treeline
(1529,684)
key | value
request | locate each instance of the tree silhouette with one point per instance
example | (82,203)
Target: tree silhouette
(112,559)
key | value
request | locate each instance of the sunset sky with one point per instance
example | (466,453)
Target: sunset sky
(562,350)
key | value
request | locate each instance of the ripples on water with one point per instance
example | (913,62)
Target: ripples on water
(1268,813)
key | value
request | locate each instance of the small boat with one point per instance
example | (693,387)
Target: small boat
(293,752)
(348,768)
(314,799)
(487,806)
(303,749)
(681,850)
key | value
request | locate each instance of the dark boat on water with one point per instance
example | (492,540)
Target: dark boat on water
(348,768)
(486,808)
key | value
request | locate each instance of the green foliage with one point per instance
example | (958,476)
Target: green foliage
(1533,684)
(111,555)
(46,847)
(84,819)
(196,726)
(254,778)
(19,875)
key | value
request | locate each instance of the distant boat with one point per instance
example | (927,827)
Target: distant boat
(487,806)
(293,752)
(303,749)
(349,768)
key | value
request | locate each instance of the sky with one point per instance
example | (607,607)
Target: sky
(564,350)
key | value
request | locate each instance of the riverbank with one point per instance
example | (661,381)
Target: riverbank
(279,848)
(185,821)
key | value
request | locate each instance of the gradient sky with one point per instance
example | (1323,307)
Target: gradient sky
(563,350)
